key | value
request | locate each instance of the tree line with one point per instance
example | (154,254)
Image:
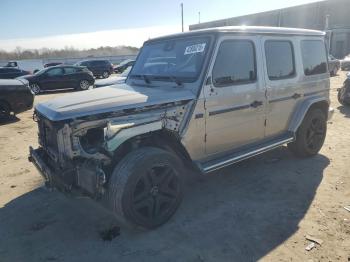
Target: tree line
(68,52)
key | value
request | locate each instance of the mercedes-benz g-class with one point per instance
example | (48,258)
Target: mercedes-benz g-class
(198,100)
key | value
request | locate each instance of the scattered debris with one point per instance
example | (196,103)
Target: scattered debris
(310,246)
(110,234)
(347,208)
(13,186)
(314,239)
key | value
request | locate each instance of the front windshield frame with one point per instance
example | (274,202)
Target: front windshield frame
(208,41)
(40,72)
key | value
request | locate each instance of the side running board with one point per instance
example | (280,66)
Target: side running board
(239,155)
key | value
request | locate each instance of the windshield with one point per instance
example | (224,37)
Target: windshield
(177,58)
(41,71)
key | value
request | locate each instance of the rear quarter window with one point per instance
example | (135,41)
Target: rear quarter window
(314,57)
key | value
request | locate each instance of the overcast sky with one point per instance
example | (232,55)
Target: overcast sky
(91,23)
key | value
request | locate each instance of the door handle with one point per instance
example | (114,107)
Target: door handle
(296,96)
(256,104)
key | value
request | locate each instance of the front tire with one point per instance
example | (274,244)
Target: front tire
(310,135)
(35,88)
(146,187)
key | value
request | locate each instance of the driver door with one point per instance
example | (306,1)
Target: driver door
(234,97)
(53,79)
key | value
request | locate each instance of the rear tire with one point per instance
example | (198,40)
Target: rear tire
(146,187)
(5,111)
(310,135)
(84,85)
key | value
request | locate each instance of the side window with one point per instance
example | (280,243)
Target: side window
(314,57)
(279,59)
(235,63)
(55,72)
(69,70)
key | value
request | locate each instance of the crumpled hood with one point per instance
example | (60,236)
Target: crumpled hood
(109,99)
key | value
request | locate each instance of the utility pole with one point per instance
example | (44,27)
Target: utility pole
(199,17)
(182,16)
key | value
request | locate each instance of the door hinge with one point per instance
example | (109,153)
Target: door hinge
(265,122)
(205,138)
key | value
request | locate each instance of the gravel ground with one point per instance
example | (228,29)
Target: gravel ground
(260,209)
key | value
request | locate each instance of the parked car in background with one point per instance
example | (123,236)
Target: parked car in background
(345,63)
(123,65)
(99,68)
(52,64)
(113,80)
(333,65)
(60,77)
(10,73)
(229,94)
(344,92)
(15,97)
(27,65)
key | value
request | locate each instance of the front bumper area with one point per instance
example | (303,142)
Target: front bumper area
(85,179)
(40,158)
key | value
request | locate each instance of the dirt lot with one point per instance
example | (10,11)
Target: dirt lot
(260,209)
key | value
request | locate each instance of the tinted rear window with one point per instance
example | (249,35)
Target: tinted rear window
(314,57)
(279,59)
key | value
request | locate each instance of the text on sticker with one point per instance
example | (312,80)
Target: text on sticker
(199,48)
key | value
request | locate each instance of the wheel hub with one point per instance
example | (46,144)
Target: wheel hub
(154,191)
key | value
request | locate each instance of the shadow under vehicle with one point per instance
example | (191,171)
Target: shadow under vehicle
(225,95)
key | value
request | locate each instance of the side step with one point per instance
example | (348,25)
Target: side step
(245,153)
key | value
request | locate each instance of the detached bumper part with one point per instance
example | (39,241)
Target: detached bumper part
(41,166)
(330,113)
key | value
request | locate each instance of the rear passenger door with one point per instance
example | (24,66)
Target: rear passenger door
(70,77)
(281,79)
(234,96)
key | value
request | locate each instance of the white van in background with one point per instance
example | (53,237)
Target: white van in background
(27,65)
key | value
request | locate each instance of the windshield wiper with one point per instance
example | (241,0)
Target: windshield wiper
(144,77)
(172,78)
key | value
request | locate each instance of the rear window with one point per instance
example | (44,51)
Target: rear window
(314,57)
(100,63)
(70,70)
(279,59)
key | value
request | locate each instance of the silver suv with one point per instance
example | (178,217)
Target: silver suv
(199,101)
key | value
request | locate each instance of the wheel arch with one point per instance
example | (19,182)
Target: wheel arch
(301,111)
(6,103)
(163,139)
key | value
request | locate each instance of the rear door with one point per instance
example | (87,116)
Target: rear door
(282,88)
(235,97)
(70,77)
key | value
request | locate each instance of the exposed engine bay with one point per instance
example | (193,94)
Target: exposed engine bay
(82,152)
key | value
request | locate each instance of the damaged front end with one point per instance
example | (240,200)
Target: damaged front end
(78,155)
